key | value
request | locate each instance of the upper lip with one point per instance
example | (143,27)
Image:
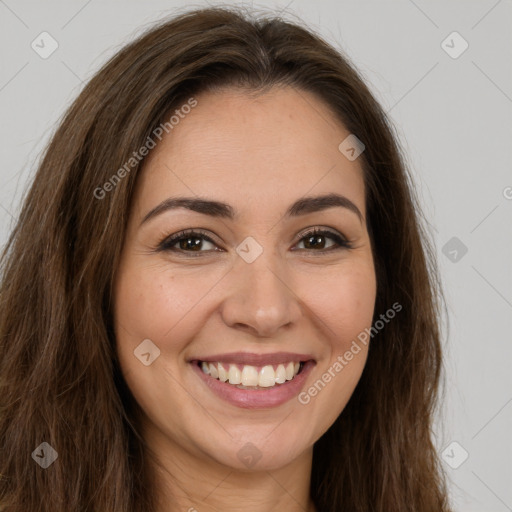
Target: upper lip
(252,359)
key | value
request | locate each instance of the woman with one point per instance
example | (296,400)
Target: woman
(218,294)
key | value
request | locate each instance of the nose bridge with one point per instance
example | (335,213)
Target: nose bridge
(259,297)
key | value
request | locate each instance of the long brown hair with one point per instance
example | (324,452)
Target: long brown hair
(60,380)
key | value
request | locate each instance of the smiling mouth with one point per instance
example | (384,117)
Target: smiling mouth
(252,377)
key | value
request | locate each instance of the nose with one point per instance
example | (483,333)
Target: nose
(260,299)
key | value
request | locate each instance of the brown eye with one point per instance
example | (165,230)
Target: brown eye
(186,241)
(193,242)
(316,240)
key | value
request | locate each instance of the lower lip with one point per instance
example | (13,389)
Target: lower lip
(256,398)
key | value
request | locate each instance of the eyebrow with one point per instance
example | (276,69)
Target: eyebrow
(219,209)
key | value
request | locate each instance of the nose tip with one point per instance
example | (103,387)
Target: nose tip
(260,301)
(268,321)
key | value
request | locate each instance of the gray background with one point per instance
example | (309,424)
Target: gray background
(453,116)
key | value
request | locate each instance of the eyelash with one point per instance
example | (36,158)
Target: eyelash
(167,243)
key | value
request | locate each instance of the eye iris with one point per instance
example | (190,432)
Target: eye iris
(314,239)
(185,241)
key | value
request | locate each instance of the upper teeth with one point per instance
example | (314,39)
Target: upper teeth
(250,375)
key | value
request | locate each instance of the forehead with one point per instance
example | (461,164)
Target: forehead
(247,150)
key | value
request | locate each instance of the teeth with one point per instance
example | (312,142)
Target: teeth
(267,377)
(234,375)
(250,376)
(280,374)
(223,374)
(289,371)
(213,370)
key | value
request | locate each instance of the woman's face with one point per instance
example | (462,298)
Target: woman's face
(254,293)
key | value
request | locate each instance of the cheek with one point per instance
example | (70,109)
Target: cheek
(351,311)
(164,305)
(156,303)
(343,302)
(344,307)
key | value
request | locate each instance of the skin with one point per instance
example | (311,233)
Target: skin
(258,154)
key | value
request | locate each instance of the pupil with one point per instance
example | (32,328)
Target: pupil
(185,241)
(315,239)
